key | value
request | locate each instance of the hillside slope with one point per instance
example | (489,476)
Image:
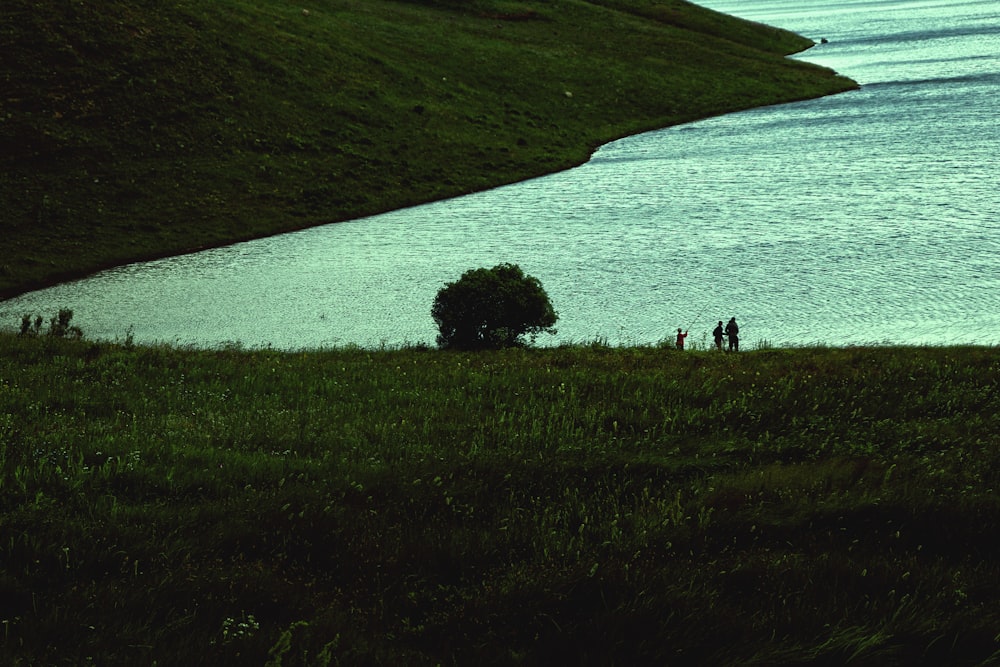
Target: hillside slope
(131,129)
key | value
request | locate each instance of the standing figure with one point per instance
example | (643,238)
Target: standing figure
(718,333)
(733,331)
(680,339)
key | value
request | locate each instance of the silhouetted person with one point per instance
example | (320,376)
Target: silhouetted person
(733,331)
(680,339)
(718,334)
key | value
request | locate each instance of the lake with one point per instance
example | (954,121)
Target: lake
(864,218)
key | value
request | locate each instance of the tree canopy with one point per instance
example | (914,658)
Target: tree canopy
(492,308)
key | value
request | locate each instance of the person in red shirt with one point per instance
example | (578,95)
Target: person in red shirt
(680,339)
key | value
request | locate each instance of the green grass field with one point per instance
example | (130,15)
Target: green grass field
(579,505)
(132,129)
(576,505)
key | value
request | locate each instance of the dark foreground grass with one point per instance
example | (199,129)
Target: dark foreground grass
(132,129)
(560,506)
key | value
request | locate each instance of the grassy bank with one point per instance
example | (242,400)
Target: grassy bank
(556,506)
(131,129)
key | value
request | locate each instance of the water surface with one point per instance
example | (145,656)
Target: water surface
(866,217)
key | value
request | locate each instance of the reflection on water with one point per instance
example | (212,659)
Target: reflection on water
(865,217)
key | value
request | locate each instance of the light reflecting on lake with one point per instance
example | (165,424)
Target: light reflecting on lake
(870,216)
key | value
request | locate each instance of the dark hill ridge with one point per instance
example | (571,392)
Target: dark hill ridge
(131,129)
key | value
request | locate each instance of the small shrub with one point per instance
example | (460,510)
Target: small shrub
(30,327)
(59,325)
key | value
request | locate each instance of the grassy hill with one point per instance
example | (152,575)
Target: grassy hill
(131,129)
(635,506)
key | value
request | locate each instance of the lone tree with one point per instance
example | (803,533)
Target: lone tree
(492,308)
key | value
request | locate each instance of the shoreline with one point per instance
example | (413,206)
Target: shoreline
(7,294)
(111,177)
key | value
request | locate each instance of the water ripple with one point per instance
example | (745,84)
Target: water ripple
(865,217)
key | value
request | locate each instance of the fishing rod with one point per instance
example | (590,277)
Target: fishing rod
(698,315)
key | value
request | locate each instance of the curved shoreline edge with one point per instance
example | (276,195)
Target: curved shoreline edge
(62,227)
